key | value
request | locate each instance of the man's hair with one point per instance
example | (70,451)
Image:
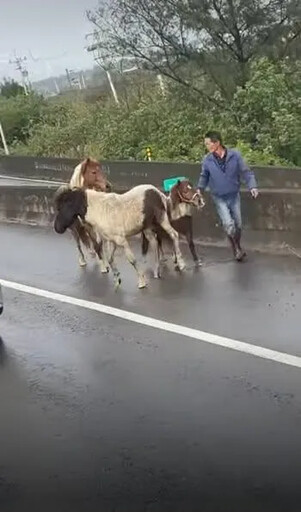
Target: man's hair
(214,136)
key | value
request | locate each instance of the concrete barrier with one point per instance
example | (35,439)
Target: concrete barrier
(128,174)
(27,205)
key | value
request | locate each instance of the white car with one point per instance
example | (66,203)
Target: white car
(1,300)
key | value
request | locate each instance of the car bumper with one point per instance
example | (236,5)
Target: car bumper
(1,300)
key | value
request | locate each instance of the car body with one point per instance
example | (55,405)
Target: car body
(1,300)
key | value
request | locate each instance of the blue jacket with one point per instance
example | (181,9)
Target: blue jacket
(228,182)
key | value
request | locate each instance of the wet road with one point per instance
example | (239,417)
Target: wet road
(100,413)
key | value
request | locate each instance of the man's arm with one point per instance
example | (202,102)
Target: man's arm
(203,178)
(248,176)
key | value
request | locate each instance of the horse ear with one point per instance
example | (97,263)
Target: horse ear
(84,166)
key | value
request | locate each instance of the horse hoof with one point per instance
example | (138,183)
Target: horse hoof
(117,283)
(198,263)
(157,274)
(142,283)
(103,268)
(181,266)
(82,263)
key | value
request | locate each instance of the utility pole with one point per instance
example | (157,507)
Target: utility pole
(68,77)
(74,79)
(83,80)
(3,140)
(95,48)
(161,84)
(20,66)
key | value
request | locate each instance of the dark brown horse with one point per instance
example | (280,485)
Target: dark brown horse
(182,199)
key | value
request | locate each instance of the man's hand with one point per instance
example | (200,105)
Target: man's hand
(254,192)
(202,202)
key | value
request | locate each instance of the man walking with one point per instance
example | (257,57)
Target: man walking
(221,171)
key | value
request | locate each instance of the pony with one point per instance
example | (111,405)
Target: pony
(88,175)
(116,217)
(180,203)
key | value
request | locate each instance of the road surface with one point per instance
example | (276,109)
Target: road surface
(101,412)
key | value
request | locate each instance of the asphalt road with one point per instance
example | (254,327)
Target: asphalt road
(99,413)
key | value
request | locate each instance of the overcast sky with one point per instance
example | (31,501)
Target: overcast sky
(46,28)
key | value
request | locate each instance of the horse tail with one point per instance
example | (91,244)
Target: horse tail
(145,242)
(144,245)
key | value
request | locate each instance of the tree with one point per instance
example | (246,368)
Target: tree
(10,88)
(18,114)
(205,45)
(266,113)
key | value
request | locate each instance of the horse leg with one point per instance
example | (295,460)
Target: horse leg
(82,259)
(189,238)
(165,224)
(97,249)
(131,258)
(112,264)
(103,261)
(155,245)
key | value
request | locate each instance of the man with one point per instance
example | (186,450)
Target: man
(221,171)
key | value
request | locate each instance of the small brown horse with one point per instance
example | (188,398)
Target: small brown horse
(183,197)
(88,175)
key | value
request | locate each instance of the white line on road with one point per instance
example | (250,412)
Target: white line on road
(213,339)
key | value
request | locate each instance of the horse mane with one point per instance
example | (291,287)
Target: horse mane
(174,194)
(77,178)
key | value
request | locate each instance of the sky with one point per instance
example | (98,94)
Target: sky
(50,30)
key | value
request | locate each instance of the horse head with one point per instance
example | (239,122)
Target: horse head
(70,205)
(93,175)
(184,192)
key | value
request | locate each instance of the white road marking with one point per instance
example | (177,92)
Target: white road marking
(213,339)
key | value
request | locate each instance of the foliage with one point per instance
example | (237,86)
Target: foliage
(267,112)
(10,88)
(18,115)
(197,40)
(263,119)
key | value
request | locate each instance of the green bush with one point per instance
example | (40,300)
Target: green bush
(263,120)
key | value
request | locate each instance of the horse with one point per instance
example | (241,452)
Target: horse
(88,175)
(116,217)
(180,203)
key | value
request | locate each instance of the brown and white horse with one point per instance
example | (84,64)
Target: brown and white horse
(116,217)
(88,175)
(182,199)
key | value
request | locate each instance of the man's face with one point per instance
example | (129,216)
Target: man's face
(211,145)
